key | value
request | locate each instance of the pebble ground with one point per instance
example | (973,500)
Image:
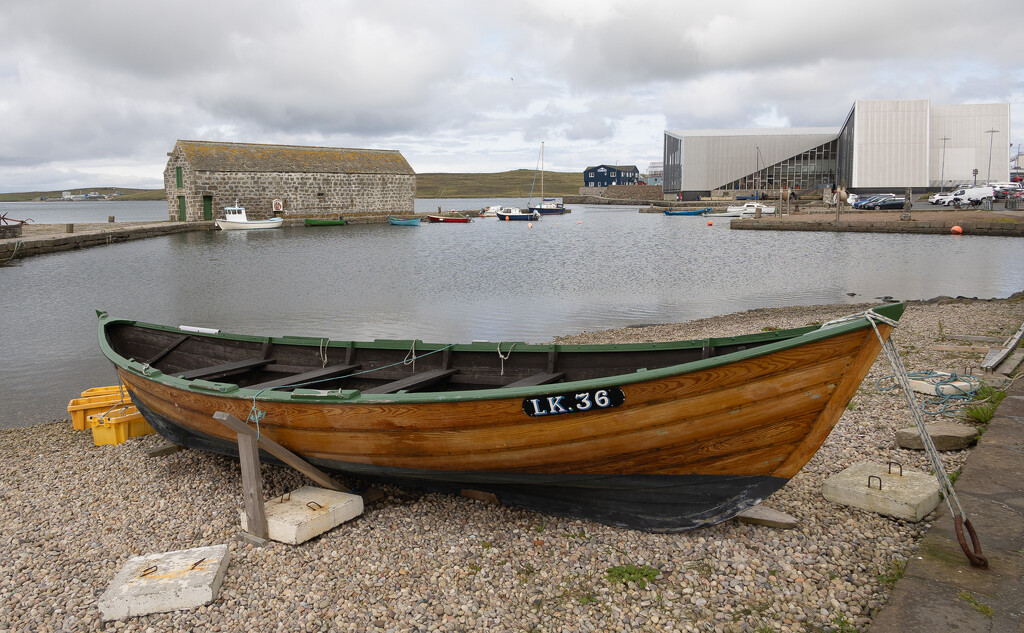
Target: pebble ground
(72,513)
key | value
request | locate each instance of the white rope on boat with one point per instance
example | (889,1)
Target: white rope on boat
(410,358)
(324,342)
(506,356)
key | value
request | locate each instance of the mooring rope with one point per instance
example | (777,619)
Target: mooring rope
(948,390)
(945,485)
(17,245)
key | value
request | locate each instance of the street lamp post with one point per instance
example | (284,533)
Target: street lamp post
(991,135)
(942,176)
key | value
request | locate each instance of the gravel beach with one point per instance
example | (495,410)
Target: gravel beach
(72,513)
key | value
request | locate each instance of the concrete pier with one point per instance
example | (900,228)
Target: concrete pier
(39,239)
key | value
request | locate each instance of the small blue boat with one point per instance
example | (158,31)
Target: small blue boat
(403,221)
(687,211)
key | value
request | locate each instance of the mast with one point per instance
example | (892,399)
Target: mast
(542,173)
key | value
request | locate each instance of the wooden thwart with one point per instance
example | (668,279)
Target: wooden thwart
(249,445)
(416,381)
(331,371)
(538,379)
(220,371)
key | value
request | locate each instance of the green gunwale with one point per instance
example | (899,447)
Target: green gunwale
(779,340)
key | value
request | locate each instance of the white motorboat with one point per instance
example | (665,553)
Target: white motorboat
(234,219)
(748,210)
(515,213)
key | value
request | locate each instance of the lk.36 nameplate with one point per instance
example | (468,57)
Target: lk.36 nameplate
(574,402)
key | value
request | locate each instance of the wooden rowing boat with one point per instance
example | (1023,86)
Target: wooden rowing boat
(458,219)
(325,221)
(651,436)
(397,221)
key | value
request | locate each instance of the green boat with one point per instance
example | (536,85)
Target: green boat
(324,222)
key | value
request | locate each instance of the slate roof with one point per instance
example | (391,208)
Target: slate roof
(616,167)
(252,157)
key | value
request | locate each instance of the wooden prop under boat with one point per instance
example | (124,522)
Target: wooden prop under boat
(653,436)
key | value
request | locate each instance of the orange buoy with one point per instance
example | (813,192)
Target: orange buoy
(709,222)
(956,230)
(506,218)
(529,225)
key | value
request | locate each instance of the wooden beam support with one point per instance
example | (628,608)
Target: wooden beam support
(277,451)
(252,486)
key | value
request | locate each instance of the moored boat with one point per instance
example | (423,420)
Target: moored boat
(515,213)
(325,221)
(748,210)
(397,221)
(546,206)
(651,436)
(456,218)
(688,211)
(235,219)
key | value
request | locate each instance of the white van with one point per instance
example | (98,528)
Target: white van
(968,194)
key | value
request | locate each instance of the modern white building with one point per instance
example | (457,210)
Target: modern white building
(882,146)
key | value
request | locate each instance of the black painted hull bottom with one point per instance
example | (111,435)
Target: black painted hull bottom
(652,503)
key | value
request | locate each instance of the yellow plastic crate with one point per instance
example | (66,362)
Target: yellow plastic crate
(115,433)
(119,425)
(104,391)
(139,427)
(81,408)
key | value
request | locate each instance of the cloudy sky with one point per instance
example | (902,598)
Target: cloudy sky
(96,93)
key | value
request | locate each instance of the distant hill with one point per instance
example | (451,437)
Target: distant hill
(129,194)
(503,184)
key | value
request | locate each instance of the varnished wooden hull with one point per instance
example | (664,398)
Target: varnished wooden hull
(690,444)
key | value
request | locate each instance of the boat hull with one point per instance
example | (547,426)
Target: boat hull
(688,212)
(652,503)
(250,225)
(679,447)
(447,219)
(523,216)
(403,221)
(324,222)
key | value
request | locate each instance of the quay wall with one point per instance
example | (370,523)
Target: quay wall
(934,227)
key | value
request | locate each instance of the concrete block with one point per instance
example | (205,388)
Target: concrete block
(946,436)
(910,496)
(309,511)
(157,583)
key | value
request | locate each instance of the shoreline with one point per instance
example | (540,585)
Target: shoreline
(72,513)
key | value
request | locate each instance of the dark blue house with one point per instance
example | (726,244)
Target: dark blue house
(605,175)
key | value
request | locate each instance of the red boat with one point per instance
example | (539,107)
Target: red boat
(447,218)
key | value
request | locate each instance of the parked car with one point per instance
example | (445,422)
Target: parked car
(966,195)
(889,202)
(933,199)
(864,202)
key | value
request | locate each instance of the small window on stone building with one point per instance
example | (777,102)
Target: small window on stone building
(177,177)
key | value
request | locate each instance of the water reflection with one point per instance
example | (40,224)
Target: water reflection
(593,269)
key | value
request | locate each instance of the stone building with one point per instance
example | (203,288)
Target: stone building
(203,177)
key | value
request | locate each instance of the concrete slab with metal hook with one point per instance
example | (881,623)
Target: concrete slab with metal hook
(157,583)
(309,511)
(884,489)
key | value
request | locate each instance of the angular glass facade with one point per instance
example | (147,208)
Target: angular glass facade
(812,169)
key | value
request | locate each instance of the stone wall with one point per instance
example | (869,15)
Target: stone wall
(633,192)
(304,194)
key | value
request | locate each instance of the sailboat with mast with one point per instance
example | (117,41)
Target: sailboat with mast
(546,206)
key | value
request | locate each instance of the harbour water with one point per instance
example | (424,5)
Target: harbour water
(593,269)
